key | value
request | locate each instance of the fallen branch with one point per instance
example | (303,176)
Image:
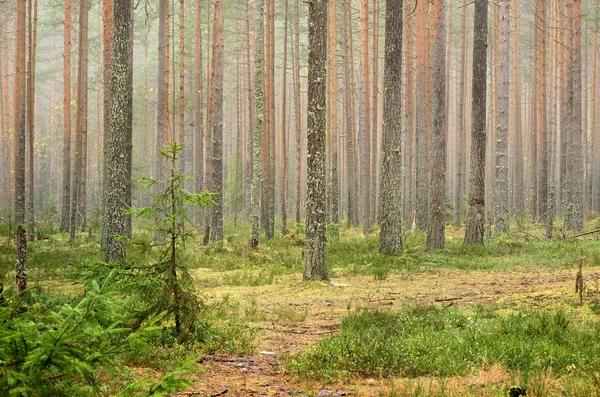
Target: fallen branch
(584,234)
(447,299)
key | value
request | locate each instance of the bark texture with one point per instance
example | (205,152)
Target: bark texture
(315,264)
(390,238)
(437,151)
(476,212)
(121,101)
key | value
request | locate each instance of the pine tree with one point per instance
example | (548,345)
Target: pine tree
(390,238)
(217,125)
(315,262)
(66,185)
(476,215)
(501,183)
(114,222)
(437,151)
(19,129)
(255,189)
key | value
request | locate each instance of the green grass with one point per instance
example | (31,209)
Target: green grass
(445,342)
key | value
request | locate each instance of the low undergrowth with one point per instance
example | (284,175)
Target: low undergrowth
(446,342)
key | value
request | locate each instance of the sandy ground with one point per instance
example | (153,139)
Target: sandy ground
(316,310)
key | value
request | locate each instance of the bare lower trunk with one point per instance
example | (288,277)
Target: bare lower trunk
(476,217)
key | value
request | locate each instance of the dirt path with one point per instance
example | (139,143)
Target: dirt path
(297,315)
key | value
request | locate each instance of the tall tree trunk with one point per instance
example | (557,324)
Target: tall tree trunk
(541,119)
(251,112)
(107,23)
(422,122)
(410,130)
(374,113)
(365,126)
(198,105)
(333,113)
(315,262)
(182,84)
(19,129)
(476,213)
(501,183)
(217,122)
(353,218)
(81,128)
(518,185)
(284,157)
(255,189)
(4,137)
(573,203)
(119,130)
(436,238)
(31,118)
(297,112)
(593,120)
(66,185)
(390,238)
(461,117)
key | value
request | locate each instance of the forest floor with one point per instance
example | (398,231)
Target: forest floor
(277,317)
(292,316)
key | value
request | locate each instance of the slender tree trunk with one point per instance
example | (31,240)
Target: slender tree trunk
(315,263)
(182,84)
(461,117)
(198,105)
(390,238)
(573,203)
(476,213)
(107,34)
(593,121)
(251,111)
(374,113)
(217,146)
(119,130)
(81,128)
(333,112)
(353,219)
(501,183)
(31,118)
(298,112)
(410,130)
(255,189)
(66,185)
(19,129)
(284,157)
(437,151)
(365,126)
(422,123)
(518,189)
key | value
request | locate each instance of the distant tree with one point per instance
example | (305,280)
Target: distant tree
(365,126)
(333,117)
(315,262)
(390,238)
(573,201)
(217,125)
(114,222)
(284,132)
(503,117)
(81,127)
(437,150)
(19,128)
(33,16)
(476,213)
(66,185)
(255,189)
(421,144)
(461,107)
(198,104)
